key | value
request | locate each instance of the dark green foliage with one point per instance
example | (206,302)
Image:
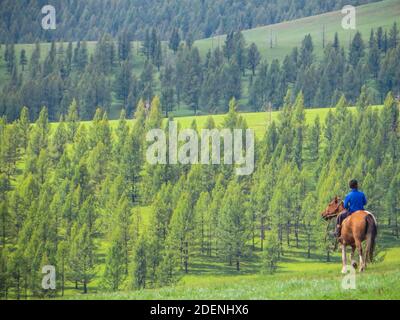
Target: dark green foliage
(115,270)
(356,50)
(174,40)
(123,82)
(124,46)
(271,253)
(253,58)
(109,77)
(140,264)
(393,37)
(233,226)
(79,200)
(23,61)
(196,18)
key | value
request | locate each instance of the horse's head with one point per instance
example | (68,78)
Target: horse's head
(333,209)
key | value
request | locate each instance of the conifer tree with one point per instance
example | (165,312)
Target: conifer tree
(34,65)
(356,50)
(9,57)
(124,225)
(146,82)
(182,229)
(62,256)
(240,56)
(174,40)
(200,213)
(233,228)
(392,200)
(122,133)
(72,120)
(253,58)
(213,218)
(58,141)
(115,270)
(309,218)
(9,152)
(82,258)
(132,161)
(23,61)
(4,276)
(271,252)
(299,123)
(124,46)
(314,140)
(393,36)
(4,214)
(168,90)
(123,81)
(140,264)
(23,126)
(306,52)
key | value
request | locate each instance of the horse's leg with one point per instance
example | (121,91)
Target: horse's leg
(344,259)
(360,253)
(353,262)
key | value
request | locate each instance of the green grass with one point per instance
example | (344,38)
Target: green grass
(258,121)
(290,34)
(296,278)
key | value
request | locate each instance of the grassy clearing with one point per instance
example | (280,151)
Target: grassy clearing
(258,121)
(290,34)
(296,278)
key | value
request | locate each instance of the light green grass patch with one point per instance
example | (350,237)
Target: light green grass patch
(290,34)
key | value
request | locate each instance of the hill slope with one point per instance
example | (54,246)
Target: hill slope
(21,20)
(290,34)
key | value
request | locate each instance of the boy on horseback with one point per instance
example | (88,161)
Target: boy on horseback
(354,201)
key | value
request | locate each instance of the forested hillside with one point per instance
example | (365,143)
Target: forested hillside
(116,75)
(20,21)
(81,197)
(78,106)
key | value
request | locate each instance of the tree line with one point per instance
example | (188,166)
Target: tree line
(114,75)
(88,20)
(80,196)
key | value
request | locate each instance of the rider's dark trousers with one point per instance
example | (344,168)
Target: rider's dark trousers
(342,216)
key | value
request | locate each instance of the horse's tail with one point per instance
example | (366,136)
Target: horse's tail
(371,233)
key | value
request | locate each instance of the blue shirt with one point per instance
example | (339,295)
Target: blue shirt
(355,201)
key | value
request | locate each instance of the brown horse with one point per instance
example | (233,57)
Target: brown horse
(359,227)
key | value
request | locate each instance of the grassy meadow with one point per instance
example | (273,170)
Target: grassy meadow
(286,35)
(297,278)
(258,121)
